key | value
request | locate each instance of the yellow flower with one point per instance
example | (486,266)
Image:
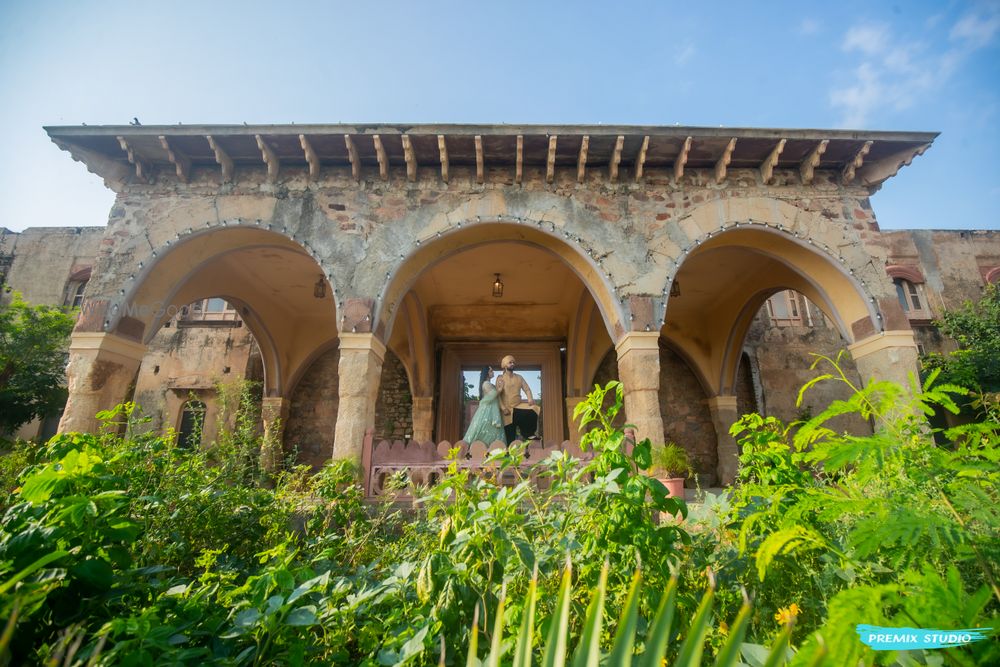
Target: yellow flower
(786,615)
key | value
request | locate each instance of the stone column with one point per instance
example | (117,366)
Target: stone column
(423,418)
(100,371)
(360,370)
(724,415)
(639,372)
(890,355)
(573,424)
(274,413)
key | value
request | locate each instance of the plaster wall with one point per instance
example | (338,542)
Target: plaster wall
(44,258)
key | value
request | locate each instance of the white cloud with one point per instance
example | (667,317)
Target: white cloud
(868,39)
(686,53)
(808,26)
(976,30)
(894,72)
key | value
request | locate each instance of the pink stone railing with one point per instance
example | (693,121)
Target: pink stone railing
(425,462)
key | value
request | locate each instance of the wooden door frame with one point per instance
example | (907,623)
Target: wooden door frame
(456,355)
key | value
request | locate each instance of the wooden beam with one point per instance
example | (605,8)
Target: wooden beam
(479,159)
(410,157)
(352,154)
(181,162)
(143,171)
(682,159)
(383,161)
(270,158)
(519,163)
(311,157)
(808,167)
(723,163)
(222,157)
(616,158)
(767,166)
(550,161)
(640,159)
(855,163)
(581,161)
(443,149)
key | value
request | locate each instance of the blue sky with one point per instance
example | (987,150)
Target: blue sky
(922,66)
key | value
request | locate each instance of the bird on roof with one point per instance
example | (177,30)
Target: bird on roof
(135,121)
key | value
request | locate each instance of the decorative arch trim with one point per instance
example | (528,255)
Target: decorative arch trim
(910,273)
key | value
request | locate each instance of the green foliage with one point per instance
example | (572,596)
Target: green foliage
(131,550)
(628,647)
(33,342)
(671,459)
(976,329)
(869,521)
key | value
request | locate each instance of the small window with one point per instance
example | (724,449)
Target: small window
(74,293)
(192,424)
(78,295)
(909,296)
(211,311)
(783,309)
(215,305)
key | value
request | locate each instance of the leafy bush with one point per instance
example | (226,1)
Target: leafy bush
(130,550)
(33,341)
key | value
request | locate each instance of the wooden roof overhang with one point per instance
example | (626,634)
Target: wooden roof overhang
(130,153)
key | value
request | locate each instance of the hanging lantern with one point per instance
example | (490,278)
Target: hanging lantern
(497,286)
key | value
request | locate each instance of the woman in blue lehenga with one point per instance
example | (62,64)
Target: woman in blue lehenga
(487,424)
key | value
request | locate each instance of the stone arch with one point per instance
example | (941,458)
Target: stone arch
(268,276)
(730,273)
(438,245)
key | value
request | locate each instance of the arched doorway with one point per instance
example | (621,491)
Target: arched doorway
(451,320)
(724,283)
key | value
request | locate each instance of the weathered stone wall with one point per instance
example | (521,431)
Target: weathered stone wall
(44,258)
(312,417)
(363,232)
(394,408)
(686,417)
(954,263)
(186,361)
(783,356)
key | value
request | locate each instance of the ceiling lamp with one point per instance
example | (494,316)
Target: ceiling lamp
(497,286)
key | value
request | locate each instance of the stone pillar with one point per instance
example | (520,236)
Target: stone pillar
(100,371)
(274,413)
(423,418)
(724,415)
(572,424)
(360,370)
(639,372)
(890,355)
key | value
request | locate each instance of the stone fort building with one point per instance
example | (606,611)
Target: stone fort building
(358,271)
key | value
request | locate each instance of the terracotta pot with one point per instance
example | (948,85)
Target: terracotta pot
(675,486)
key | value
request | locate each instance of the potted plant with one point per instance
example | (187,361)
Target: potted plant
(671,464)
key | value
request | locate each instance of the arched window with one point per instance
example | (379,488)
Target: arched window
(909,296)
(78,295)
(77,283)
(192,424)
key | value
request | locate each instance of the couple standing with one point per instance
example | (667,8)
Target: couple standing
(499,415)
